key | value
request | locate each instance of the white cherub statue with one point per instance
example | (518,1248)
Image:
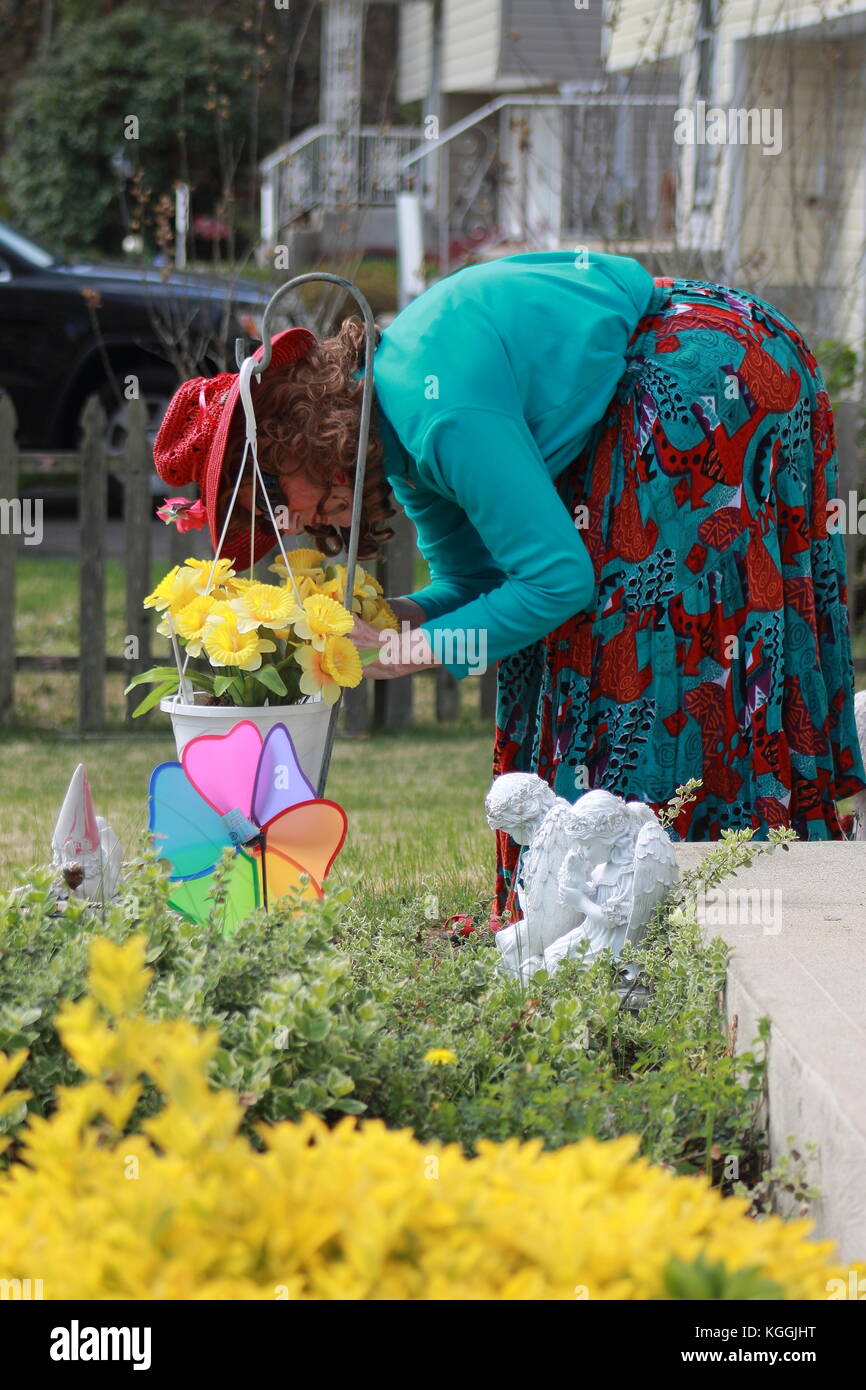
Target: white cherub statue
(528,810)
(592,874)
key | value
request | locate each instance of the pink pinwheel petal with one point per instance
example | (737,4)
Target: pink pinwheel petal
(280,781)
(222,767)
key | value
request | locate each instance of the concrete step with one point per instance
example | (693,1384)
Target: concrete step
(797,923)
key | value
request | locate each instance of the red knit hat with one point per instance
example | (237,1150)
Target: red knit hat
(191,442)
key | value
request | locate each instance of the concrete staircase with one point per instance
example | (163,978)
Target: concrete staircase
(797,923)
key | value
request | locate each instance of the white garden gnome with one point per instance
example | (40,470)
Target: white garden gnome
(592,873)
(84,847)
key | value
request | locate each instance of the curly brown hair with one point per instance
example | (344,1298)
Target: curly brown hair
(308,416)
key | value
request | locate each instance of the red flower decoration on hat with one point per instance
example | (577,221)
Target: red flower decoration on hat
(185,514)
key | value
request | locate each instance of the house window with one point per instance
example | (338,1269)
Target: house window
(705,44)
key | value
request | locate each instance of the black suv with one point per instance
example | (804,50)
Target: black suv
(67,328)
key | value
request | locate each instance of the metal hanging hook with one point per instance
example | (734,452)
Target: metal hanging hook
(363,437)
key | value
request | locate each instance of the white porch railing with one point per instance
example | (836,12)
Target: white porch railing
(596,165)
(326,167)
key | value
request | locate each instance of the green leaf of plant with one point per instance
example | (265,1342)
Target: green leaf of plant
(368,654)
(152,700)
(313,1027)
(156,673)
(221,684)
(271,679)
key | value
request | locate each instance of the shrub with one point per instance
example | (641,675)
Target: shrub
(295,1035)
(169,71)
(187,1209)
(333,1009)
(565,1057)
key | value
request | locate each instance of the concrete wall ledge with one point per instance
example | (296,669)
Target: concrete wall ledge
(797,923)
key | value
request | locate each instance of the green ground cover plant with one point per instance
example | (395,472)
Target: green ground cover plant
(365,1003)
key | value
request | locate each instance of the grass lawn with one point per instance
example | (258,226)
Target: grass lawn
(414,802)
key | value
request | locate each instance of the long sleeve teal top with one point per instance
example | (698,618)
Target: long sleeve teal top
(487,385)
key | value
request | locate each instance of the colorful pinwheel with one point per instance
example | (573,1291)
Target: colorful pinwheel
(238,791)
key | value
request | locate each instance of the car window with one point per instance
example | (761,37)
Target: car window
(26,249)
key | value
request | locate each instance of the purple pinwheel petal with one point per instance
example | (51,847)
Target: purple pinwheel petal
(280,780)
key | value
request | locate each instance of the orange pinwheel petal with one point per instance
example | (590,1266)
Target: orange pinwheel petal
(284,876)
(309,834)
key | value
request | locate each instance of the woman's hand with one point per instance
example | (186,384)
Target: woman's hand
(365,635)
(404,652)
(406,610)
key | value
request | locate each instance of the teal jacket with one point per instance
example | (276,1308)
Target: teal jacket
(488,385)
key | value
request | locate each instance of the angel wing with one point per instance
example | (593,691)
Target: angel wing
(655,869)
(548,917)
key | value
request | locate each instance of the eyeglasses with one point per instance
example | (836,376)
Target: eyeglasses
(277,498)
(273,487)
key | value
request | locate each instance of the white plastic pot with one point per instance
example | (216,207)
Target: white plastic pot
(307,723)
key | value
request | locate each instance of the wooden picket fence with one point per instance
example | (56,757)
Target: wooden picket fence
(391,704)
(388,705)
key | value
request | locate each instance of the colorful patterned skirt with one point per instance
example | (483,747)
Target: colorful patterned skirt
(718,646)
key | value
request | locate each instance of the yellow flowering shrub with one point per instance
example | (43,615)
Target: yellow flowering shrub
(188,1210)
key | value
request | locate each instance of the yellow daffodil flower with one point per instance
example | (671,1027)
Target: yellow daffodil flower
(379,615)
(186,582)
(222,572)
(307,586)
(319,618)
(237,584)
(305,561)
(179,587)
(335,585)
(226,645)
(262,605)
(189,624)
(341,661)
(315,680)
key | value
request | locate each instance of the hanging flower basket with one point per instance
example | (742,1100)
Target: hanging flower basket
(277,653)
(269,652)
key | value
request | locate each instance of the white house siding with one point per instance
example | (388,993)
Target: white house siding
(851,221)
(792,226)
(492,46)
(803,213)
(549,41)
(763,17)
(646,29)
(414,30)
(470,47)
(470,50)
(784,220)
